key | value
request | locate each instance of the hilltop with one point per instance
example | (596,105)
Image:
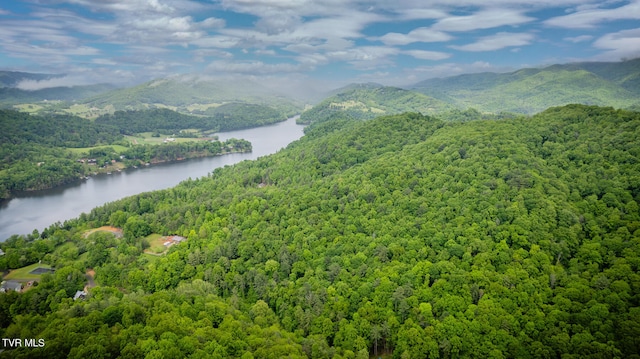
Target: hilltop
(535,89)
(367,101)
(190,94)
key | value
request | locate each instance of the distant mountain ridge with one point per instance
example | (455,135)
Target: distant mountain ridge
(11,94)
(185,91)
(367,101)
(12,78)
(532,90)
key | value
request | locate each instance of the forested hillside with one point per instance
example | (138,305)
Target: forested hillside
(42,152)
(226,118)
(12,96)
(533,90)
(33,149)
(367,101)
(404,236)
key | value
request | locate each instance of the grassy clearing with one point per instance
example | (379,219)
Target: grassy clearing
(115,231)
(156,244)
(28,107)
(85,150)
(151,257)
(203,106)
(146,138)
(161,105)
(89,112)
(23,275)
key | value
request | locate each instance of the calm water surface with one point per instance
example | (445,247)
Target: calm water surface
(38,210)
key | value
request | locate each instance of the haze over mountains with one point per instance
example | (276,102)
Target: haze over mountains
(533,90)
(526,91)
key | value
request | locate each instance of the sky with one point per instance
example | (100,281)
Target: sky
(310,42)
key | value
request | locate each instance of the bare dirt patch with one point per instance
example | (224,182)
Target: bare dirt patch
(90,274)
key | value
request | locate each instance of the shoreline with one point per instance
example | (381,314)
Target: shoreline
(110,170)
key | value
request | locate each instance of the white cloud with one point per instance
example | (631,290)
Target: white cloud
(589,17)
(200,55)
(82,75)
(427,55)
(578,39)
(139,6)
(621,44)
(365,57)
(252,67)
(345,26)
(265,52)
(484,19)
(421,34)
(497,42)
(452,69)
(146,50)
(104,62)
(33,85)
(212,22)
(267,4)
(141,37)
(417,4)
(421,14)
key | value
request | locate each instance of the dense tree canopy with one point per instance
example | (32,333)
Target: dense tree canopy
(369,101)
(405,236)
(227,117)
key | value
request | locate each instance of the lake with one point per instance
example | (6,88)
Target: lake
(38,210)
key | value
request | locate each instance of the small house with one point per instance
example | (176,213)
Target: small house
(10,285)
(81,294)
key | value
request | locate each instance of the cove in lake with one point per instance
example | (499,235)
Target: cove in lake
(38,210)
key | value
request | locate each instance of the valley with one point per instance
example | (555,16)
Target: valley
(483,215)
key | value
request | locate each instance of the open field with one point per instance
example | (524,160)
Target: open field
(203,106)
(24,274)
(89,112)
(85,150)
(147,138)
(161,105)
(156,244)
(116,231)
(28,107)
(151,257)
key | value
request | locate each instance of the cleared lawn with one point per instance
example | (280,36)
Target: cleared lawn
(28,107)
(146,138)
(151,257)
(203,106)
(83,110)
(156,244)
(85,150)
(23,274)
(113,230)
